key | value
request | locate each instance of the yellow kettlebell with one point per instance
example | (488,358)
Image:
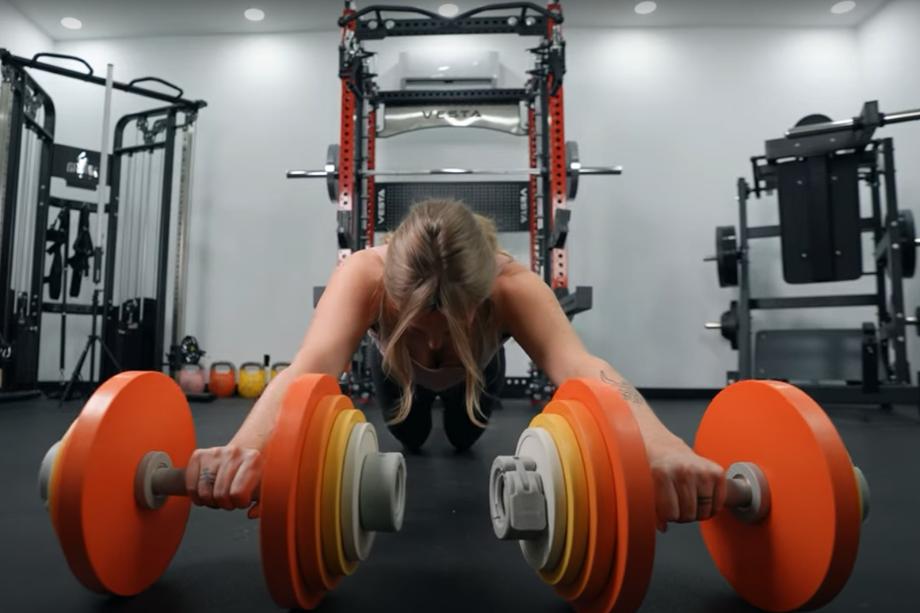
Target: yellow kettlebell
(252,380)
(277,367)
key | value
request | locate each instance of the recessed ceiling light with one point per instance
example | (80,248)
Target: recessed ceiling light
(843,7)
(644,8)
(71,23)
(254,14)
(448,10)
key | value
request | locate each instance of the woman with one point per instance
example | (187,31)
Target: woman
(438,300)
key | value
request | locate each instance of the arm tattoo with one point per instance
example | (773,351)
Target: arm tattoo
(629,393)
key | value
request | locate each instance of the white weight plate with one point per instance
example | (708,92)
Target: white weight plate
(544,553)
(356,541)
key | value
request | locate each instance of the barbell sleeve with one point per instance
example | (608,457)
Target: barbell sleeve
(844,125)
(841,125)
(598,170)
(308,174)
(712,325)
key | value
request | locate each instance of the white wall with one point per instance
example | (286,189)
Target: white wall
(681,109)
(890,58)
(19,34)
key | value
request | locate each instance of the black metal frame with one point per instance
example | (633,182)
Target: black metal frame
(21,318)
(378,23)
(119,152)
(20,324)
(888,349)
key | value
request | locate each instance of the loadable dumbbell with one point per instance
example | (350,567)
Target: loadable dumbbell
(119,507)
(578,495)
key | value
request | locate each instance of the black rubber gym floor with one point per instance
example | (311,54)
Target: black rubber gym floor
(446,558)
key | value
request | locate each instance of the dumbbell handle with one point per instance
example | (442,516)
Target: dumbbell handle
(171,482)
(156,479)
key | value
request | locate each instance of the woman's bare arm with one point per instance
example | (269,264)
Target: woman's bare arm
(687,486)
(344,313)
(539,324)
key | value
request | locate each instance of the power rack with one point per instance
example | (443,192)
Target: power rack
(532,199)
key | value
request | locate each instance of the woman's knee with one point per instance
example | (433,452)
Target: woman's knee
(414,430)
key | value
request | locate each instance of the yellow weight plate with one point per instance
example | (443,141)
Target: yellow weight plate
(576,499)
(331,515)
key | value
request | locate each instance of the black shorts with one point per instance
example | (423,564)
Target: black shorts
(414,430)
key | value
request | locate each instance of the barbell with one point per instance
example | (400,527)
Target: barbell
(119,506)
(579,497)
(574,169)
(870,118)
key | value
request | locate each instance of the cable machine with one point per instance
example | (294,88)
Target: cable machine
(43,266)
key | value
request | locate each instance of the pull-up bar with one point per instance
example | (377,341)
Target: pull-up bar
(89,76)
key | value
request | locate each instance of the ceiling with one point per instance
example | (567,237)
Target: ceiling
(136,18)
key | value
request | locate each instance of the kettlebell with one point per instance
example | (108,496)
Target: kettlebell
(277,367)
(252,380)
(191,378)
(222,382)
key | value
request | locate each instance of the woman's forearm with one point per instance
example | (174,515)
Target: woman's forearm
(653,431)
(259,424)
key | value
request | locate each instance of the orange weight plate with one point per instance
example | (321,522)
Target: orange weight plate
(602,515)
(336,563)
(802,553)
(53,477)
(310,495)
(111,544)
(278,492)
(634,550)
